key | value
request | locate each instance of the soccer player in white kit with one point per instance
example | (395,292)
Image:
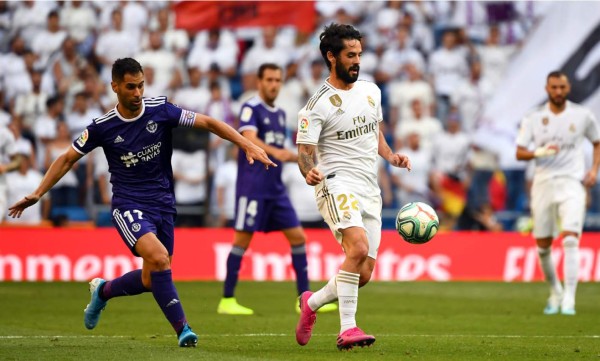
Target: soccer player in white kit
(340,126)
(557,130)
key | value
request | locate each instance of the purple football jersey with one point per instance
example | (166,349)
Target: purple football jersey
(254,180)
(138,151)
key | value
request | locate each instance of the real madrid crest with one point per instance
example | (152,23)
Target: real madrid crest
(572,128)
(151,126)
(335,100)
(371,101)
(545,120)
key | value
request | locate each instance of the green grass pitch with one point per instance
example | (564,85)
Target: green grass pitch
(412,321)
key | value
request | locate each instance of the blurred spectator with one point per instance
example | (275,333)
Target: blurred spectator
(302,197)
(262,52)
(164,62)
(47,42)
(14,69)
(113,44)
(450,175)
(224,186)
(292,96)
(413,186)
(66,69)
(215,46)
(97,172)
(22,183)
(45,128)
(494,57)
(425,126)
(151,87)
(470,97)
(66,192)
(218,107)
(29,19)
(472,16)
(193,96)
(399,53)
(403,92)
(447,67)
(80,116)
(420,33)
(313,82)
(79,19)
(174,40)
(5,117)
(9,161)
(31,106)
(23,145)
(189,172)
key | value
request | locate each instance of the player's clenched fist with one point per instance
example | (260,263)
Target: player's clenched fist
(314,177)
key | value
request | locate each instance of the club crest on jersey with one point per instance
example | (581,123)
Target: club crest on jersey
(335,100)
(572,128)
(136,227)
(151,126)
(371,101)
(545,120)
(83,138)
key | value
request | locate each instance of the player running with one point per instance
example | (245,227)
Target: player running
(340,126)
(136,139)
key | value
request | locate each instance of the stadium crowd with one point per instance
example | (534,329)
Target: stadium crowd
(436,62)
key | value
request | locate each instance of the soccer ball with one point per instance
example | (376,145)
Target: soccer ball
(417,222)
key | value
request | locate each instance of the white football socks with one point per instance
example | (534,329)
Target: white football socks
(570,268)
(347,290)
(545,256)
(325,295)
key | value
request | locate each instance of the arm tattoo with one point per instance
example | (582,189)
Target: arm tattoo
(306,159)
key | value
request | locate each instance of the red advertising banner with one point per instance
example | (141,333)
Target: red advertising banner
(201,15)
(200,254)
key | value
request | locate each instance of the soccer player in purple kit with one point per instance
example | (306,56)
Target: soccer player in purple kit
(262,203)
(136,139)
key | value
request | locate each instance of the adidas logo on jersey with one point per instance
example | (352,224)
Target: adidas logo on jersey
(118,139)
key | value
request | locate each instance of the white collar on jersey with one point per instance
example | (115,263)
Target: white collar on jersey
(131,119)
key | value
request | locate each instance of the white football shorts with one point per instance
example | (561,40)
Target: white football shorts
(557,201)
(343,207)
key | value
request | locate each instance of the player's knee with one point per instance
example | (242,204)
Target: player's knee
(160,261)
(358,252)
(570,241)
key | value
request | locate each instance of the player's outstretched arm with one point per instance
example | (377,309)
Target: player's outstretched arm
(395,159)
(283,155)
(223,130)
(306,163)
(57,170)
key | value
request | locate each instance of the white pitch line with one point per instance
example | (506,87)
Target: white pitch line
(10,337)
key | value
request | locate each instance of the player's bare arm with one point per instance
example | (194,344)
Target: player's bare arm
(592,175)
(283,155)
(13,164)
(57,170)
(306,163)
(395,159)
(253,152)
(547,150)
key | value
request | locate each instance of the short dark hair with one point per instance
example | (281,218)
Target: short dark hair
(265,66)
(332,39)
(556,74)
(125,66)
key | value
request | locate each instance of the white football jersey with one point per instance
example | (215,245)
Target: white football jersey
(566,129)
(344,125)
